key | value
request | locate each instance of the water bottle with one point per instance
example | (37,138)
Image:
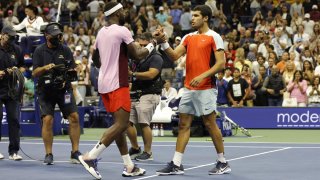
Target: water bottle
(161,130)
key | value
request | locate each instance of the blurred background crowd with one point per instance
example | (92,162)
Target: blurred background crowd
(265,41)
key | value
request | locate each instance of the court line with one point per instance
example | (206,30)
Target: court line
(173,145)
(234,159)
(174,141)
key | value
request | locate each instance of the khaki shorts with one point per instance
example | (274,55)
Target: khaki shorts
(143,110)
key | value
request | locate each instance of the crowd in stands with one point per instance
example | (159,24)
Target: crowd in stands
(272,48)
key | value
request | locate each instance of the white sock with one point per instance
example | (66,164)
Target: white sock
(97,150)
(127,160)
(221,158)
(177,158)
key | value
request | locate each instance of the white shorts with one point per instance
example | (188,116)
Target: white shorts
(198,102)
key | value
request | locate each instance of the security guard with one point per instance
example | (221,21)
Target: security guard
(54,88)
(11,58)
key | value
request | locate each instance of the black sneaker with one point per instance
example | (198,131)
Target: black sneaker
(144,157)
(171,169)
(221,168)
(74,158)
(91,166)
(48,159)
(134,152)
(135,171)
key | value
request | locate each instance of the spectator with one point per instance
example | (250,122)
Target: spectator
(308,24)
(297,8)
(238,89)
(230,55)
(185,21)
(82,39)
(94,7)
(313,93)
(81,23)
(297,89)
(307,71)
(168,27)
(74,8)
(143,17)
(262,48)
(11,20)
(161,16)
(274,86)
(307,6)
(168,92)
(260,62)
(295,21)
(252,81)
(83,76)
(317,69)
(279,42)
(222,86)
(307,56)
(315,14)
(261,98)
(289,72)
(271,63)
(227,74)
(240,59)
(78,54)
(282,64)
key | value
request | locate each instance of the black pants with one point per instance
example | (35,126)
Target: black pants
(12,111)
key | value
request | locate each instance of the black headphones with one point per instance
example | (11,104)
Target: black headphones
(44,29)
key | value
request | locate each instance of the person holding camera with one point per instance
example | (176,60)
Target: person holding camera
(145,96)
(54,65)
(11,58)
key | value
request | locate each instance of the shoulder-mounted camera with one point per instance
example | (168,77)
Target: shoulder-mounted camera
(59,77)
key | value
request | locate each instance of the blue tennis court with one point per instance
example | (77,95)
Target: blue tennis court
(263,161)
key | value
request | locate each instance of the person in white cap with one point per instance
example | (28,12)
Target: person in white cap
(113,45)
(308,24)
(161,16)
(315,14)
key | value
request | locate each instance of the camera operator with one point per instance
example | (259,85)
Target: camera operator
(145,96)
(11,57)
(54,87)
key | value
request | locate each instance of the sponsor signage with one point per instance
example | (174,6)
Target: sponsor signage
(275,117)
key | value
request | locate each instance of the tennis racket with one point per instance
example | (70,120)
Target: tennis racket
(235,127)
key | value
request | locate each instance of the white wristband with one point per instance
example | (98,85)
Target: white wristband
(150,47)
(164,46)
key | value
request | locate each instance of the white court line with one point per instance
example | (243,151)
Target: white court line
(234,159)
(173,145)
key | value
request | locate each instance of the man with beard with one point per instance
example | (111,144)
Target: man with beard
(113,45)
(205,57)
(11,57)
(46,60)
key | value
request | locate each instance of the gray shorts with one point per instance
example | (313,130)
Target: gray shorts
(198,102)
(143,110)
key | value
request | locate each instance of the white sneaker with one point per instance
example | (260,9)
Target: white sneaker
(15,157)
(1,156)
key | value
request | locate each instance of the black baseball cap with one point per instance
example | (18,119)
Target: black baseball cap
(8,30)
(53,29)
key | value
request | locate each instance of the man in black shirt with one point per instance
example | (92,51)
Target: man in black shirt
(238,89)
(145,96)
(54,88)
(10,58)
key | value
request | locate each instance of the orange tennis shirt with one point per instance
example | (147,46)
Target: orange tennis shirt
(200,56)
